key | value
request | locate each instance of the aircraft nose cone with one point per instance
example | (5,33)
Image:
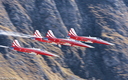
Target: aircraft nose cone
(112,44)
(56,55)
(88,46)
(91,47)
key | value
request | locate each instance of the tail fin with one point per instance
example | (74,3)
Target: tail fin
(15,43)
(72,32)
(37,34)
(50,34)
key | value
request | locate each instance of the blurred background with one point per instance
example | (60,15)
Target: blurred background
(106,19)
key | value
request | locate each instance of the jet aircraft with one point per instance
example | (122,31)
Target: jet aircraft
(50,38)
(69,42)
(72,35)
(16,46)
(37,36)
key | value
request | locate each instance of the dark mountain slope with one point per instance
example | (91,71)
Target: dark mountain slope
(106,19)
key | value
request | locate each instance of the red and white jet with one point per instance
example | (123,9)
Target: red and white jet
(69,42)
(37,36)
(50,38)
(16,46)
(72,35)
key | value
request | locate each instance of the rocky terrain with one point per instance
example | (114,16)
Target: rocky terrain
(106,19)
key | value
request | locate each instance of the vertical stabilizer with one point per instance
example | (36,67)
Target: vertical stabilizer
(37,34)
(15,43)
(72,32)
(50,34)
